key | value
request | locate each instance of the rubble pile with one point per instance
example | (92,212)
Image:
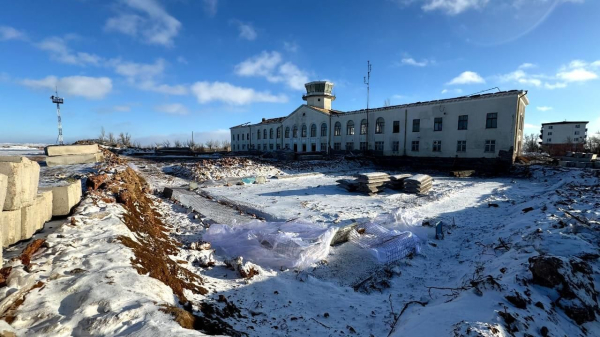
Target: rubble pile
(372,183)
(418,184)
(216,169)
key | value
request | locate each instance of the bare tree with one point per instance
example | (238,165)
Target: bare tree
(102,136)
(226,145)
(177,143)
(166,143)
(111,139)
(211,144)
(593,143)
(191,144)
(387,102)
(125,139)
(531,144)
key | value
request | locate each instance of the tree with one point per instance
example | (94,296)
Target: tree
(191,144)
(111,139)
(226,145)
(102,136)
(593,143)
(125,139)
(211,144)
(387,102)
(177,143)
(531,143)
(166,143)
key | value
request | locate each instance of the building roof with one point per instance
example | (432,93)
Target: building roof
(272,120)
(326,111)
(447,100)
(564,122)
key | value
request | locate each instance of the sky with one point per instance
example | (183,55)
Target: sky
(163,69)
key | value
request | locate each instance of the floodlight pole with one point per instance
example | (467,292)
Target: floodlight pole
(367,81)
(58,101)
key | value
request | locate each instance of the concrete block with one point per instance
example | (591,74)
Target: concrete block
(23,178)
(74,159)
(30,216)
(10,225)
(3,187)
(64,197)
(65,150)
(47,202)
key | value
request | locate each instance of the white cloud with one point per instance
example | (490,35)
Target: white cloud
(452,91)
(527,66)
(557,85)
(412,62)
(467,77)
(10,33)
(269,65)
(577,75)
(145,76)
(453,7)
(172,109)
(595,64)
(292,47)
(207,92)
(210,7)
(247,31)
(83,86)
(544,108)
(60,52)
(521,77)
(114,108)
(182,60)
(146,19)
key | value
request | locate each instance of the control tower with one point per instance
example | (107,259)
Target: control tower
(318,94)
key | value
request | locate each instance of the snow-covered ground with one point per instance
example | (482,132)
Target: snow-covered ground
(458,286)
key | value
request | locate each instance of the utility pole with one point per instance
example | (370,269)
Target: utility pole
(367,81)
(58,101)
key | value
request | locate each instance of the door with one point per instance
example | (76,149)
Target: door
(303,147)
(313,148)
(295,147)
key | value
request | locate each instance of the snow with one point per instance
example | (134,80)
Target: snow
(7,149)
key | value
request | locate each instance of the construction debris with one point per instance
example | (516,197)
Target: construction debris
(462,174)
(418,184)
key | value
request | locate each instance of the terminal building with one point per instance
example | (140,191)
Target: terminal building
(558,138)
(488,126)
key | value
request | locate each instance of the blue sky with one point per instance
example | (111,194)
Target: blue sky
(162,69)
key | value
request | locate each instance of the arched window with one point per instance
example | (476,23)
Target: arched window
(279,132)
(303,130)
(363,127)
(323,130)
(379,125)
(287,132)
(313,130)
(271,133)
(350,128)
(258,134)
(337,129)
(295,132)
(265,133)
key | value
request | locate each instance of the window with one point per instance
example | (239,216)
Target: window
(549,140)
(287,132)
(337,129)
(313,130)
(379,125)
(323,130)
(395,146)
(396,128)
(577,126)
(303,131)
(278,146)
(491,121)
(490,146)
(337,146)
(271,133)
(238,137)
(350,128)
(265,134)
(549,133)
(416,125)
(363,127)
(437,146)
(349,146)
(551,127)
(437,124)
(576,132)
(414,146)
(576,139)
(323,147)
(461,146)
(243,146)
(271,147)
(363,146)
(242,136)
(463,121)
(295,132)
(378,146)
(279,132)
(287,146)
(258,146)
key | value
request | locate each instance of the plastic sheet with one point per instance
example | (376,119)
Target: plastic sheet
(296,244)
(386,245)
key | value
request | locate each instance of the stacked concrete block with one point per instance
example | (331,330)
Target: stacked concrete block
(418,184)
(3,187)
(10,222)
(72,154)
(64,197)
(22,183)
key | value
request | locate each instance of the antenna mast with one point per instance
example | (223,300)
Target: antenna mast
(58,101)
(367,81)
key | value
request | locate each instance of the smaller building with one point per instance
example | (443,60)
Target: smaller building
(558,138)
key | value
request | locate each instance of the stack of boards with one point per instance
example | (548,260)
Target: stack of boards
(418,184)
(397,181)
(372,183)
(348,184)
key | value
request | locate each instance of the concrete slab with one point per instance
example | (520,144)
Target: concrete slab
(74,159)
(47,202)
(10,225)
(23,178)
(64,150)
(30,216)
(3,187)
(64,197)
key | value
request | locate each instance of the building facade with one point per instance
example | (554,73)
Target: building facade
(560,137)
(478,126)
